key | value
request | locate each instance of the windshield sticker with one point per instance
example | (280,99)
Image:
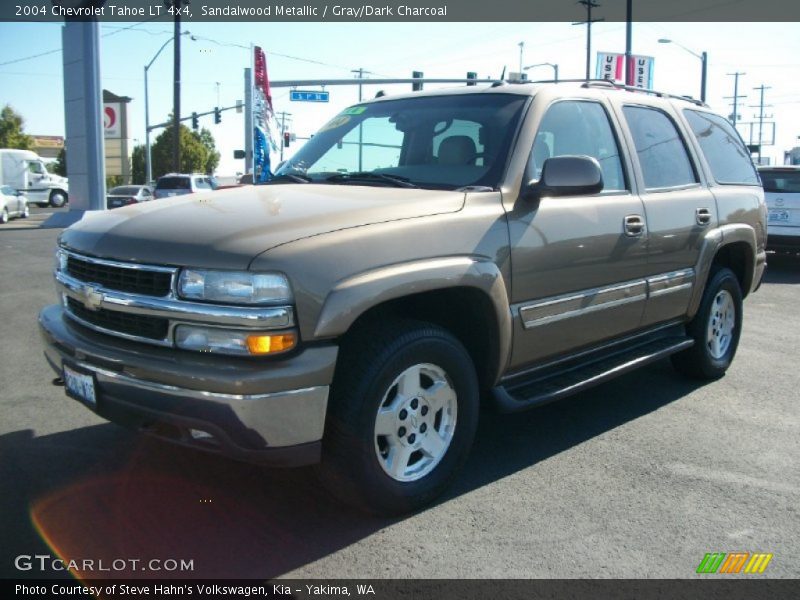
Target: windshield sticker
(335,122)
(354,110)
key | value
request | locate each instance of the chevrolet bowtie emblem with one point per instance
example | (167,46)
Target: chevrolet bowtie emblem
(92,299)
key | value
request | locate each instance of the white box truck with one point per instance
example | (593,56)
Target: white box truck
(25,170)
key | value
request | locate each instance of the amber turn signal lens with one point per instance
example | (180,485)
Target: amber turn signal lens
(269,344)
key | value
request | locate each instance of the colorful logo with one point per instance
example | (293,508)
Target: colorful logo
(734,562)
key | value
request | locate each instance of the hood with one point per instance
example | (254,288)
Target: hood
(228,228)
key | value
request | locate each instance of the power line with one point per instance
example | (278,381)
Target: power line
(48,52)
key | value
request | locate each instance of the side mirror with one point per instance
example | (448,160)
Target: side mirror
(20,193)
(566,176)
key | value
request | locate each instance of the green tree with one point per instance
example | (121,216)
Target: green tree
(60,166)
(194,154)
(11,130)
(137,164)
(212,162)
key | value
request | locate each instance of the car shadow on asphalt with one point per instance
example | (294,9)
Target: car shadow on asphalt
(782,269)
(101,492)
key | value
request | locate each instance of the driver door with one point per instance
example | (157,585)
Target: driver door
(579,263)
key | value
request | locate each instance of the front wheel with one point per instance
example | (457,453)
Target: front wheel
(57,198)
(715,328)
(402,417)
(4,216)
(26,212)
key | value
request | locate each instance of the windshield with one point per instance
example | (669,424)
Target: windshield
(442,142)
(786,182)
(124,190)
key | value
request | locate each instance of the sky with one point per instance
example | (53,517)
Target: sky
(214,62)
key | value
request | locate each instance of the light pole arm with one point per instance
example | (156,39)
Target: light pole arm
(164,45)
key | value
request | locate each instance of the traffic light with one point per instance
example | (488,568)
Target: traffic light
(286,138)
(195,121)
(472,75)
(217,116)
(417,85)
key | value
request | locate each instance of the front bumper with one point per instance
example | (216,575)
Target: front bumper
(269,412)
(783,238)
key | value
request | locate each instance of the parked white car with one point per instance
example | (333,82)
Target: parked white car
(782,194)
(12,204)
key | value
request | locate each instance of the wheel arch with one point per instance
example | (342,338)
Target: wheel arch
(732,246)
(465,295)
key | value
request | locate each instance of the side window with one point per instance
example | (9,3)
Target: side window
(35,167)
(576,127)
(202,183)
(662,153)
(729,160)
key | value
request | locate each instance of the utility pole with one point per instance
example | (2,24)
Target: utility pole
(176,91)
(735,114)
(629,43)
(521,49)
(589,4)
(761,116)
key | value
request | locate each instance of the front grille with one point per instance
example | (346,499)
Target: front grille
(154,328)
(131,280)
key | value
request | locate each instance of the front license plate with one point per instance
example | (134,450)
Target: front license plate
(779,216)
(80,386)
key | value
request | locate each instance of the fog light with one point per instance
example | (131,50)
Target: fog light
(231,341)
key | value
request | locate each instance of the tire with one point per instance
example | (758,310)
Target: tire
(26,212)
(423,382)
(715,328)
(4,216)
(57,198)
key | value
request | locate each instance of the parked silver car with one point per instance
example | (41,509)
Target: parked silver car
(13,203)
(177,184)
(123,195)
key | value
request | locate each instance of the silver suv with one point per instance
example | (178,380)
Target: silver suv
(421,254)
(177,184)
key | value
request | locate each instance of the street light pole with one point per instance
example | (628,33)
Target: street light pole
(147,157)
(703,60)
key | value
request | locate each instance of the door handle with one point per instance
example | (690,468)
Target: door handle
(634,225)
(702,216)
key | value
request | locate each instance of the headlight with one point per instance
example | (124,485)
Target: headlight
(234,287)
(61,260)
(232,341)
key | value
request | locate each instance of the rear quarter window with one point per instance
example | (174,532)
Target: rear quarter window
(725,153)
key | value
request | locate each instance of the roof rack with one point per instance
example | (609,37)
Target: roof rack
(607,83)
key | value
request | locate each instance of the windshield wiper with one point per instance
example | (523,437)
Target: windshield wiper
(293,177)
(395,180)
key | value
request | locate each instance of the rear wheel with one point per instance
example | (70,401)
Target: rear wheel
(402,417)
(4,216)
(715,328)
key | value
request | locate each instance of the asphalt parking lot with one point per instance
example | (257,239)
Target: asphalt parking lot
(638,478)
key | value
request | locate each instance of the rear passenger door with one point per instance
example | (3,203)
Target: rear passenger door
(679,208)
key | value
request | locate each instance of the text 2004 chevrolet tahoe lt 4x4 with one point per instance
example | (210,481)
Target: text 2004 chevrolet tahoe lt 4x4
(516,243)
